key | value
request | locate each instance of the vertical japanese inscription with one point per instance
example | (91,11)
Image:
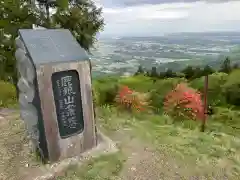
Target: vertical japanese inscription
(67,97)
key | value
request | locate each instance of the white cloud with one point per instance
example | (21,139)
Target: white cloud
(172,17)
(165,15)
(163,11)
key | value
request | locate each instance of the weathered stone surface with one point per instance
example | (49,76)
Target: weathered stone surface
(55,93)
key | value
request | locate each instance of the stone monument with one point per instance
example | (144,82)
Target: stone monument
(55,93)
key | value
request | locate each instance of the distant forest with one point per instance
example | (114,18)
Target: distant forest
(189,72)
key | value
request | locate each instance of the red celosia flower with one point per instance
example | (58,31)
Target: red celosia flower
(184,101)
(129,99)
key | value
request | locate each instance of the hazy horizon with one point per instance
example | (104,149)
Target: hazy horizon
(159,17)
(169,34)
(125,54)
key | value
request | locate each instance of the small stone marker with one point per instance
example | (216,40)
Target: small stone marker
(55,93)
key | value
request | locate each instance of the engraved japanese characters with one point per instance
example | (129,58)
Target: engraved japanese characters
(67,97)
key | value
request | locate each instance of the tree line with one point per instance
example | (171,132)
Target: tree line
(189,72)
(81,17)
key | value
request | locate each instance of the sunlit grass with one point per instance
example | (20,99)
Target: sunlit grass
(101,168)
(180,139)
(16,157)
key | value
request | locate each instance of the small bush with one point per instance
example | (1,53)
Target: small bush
(138,83)
(225,120)
(105,90)
(184,102)
(215,88)
(106,94)
(159,91)
(231,88)
(131,100)
(7,94)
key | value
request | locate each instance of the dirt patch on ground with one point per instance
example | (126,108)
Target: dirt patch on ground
(16,159)
(144,162)
(19,163)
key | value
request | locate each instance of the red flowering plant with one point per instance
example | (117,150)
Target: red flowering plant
(131,100)
(184,102)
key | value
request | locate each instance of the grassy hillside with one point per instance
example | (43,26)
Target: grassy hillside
(223,95)
(211,154)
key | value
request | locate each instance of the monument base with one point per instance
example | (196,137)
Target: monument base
(104,146)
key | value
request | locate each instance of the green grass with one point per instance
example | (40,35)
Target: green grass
(106,167)
(7,95)
(219,145)
(181,139)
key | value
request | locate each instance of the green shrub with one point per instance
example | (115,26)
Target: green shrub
(138,83)
(7,94)
(105,90)
(225,120)
(106,79)
(232,88)
(159,91)
(215,87)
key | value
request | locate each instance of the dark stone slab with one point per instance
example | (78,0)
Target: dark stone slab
(52,45)
(67,97)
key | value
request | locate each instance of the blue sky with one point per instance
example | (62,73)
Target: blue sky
(157,17)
